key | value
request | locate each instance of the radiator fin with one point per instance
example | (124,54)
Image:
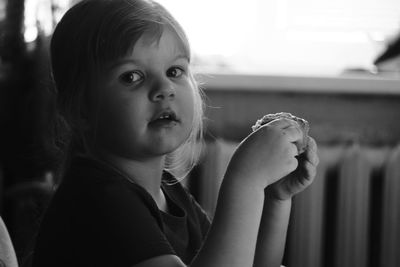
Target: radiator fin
(390,256)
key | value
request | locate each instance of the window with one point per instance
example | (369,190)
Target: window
(303,37)
(286,36)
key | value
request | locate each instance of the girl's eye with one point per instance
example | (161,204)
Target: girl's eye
(131,77)
(174,72)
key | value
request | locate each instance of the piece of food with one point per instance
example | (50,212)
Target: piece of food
(304,126)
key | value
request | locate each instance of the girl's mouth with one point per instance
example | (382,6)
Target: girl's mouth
(166,118)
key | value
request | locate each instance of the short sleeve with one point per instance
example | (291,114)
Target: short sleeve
(125,226)
(205,221)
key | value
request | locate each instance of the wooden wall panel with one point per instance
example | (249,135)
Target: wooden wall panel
(334,118)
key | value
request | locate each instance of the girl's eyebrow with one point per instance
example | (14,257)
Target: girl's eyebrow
(122,61)
(181,56)
(137,62)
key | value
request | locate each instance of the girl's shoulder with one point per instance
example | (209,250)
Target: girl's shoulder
(91,190)
(96,179)
(96,206)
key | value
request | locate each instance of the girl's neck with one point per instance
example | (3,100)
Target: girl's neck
(147,173)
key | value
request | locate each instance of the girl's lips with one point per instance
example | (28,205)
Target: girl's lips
(165,118)
(163,123)
(165,115)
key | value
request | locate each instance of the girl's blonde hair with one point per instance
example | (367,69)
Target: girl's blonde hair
(94,33)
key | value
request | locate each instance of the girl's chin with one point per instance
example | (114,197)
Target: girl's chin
(164,150)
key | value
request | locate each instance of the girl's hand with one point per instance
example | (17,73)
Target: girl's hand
(268,154)
(300,179)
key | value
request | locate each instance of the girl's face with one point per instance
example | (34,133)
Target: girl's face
(146,100)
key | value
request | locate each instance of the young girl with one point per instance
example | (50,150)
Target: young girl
(134,116)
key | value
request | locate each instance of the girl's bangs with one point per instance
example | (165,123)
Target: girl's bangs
(118,34)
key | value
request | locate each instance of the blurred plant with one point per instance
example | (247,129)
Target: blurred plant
(389,60)
(12,44)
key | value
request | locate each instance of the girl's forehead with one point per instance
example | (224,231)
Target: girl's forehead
(164,45)
(167,41)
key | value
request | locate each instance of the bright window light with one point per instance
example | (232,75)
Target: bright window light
(286,36)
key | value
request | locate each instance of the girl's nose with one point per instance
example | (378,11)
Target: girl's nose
(162,90)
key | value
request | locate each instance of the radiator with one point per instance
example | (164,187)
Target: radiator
(349,216)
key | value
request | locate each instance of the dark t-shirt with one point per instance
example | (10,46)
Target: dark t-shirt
(99,218)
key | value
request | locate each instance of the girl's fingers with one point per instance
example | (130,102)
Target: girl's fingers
(293,134)
(290,128)
(312,145)
(310,170)
(301,180)
(292,150)
(282,123)
(311,153)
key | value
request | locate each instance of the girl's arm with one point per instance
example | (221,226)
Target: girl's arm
(272,235)
(260,160)
(232,238)
(277,205)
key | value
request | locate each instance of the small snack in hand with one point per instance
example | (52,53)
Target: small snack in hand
(304,126)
